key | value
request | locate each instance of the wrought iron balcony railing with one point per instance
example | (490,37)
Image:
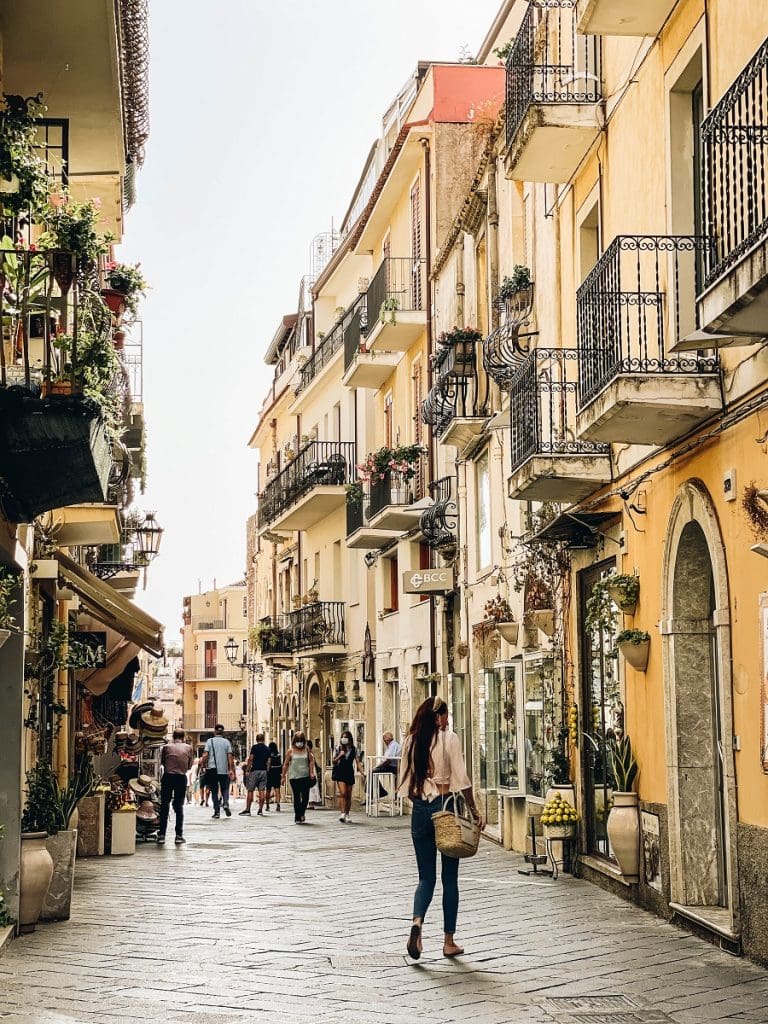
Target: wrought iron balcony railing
(212,670)
(502,350)
(355,329)
(550,62)
(734,144)
(317,464)
(346,328)
(394,489)
(315,625)
(397,285)
(210,719)
(458,390)
(274,639)
(438,522)
(542,407)
(356,517)
(638,300)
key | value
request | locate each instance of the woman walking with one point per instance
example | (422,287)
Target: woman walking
(345,760)
(433,766)
(299,769)
(274,773)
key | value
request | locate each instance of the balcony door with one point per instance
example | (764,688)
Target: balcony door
(211,708)
(210,659)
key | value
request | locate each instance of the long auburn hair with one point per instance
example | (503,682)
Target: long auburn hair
(424,729)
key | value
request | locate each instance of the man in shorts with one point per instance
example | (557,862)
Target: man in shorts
(256,774)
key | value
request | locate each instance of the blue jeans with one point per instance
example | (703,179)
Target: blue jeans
(423,835)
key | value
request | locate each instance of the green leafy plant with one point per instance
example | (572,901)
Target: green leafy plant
(625,589)
(355,494)
(756,510)
(46,654)
(633,636)
(503,52)
(601,615)
(128,279)
(520,281)
(403,461)
(262,635)
(8,583)
(623,765)
(20,160)
(72,227)
(48,806)
(557,768)
(388,310)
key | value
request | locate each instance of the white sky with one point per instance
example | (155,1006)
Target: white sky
(262,114)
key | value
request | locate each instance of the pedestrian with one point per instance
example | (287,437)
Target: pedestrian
(274,774)
(219,764)
(299,769)
(345,760)
(389,764)
(255,774)
(176,760)
(314,793)
(433,766)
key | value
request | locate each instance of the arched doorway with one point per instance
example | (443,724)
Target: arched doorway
(696,638)
(315,730)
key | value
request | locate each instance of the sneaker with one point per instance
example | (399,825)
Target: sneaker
(245,812)
(342,817)
(179,840)
(266,810)
(160,838)
(259,812)
(228,812)
(215,814)
(347,819)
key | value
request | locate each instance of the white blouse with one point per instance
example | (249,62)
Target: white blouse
(448,767)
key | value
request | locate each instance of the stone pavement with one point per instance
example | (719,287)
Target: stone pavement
(262,917)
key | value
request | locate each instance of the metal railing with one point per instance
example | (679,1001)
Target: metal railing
(341,333)
(356,517)
(637,301)
(315,625)
(199,723)
(274,639)
(215,670)
(394,489)
(318,463)
(542,407)
(502,351)
(734,145)
(458,390)
(206,622)
(438,522)
(397,285)
(550,62)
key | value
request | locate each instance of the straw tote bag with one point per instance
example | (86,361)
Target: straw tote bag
(456,835)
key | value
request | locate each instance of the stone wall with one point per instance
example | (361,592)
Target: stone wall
(752,844)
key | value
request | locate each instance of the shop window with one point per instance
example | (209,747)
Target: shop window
(457,683)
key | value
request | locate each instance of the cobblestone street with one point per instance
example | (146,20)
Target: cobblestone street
(261,917)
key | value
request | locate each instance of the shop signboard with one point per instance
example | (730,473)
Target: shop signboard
(428,581)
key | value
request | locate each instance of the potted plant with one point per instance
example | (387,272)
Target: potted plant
(125,283)
(354,494)
(623,818)
(71,230)
(624,591)
(40,819)
(62,843)
(392,467)
(634,645)
(516,292)
(23,177)
(8,582)
(388,310)
(499,611)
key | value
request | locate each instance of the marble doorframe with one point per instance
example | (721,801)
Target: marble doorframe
(693,504)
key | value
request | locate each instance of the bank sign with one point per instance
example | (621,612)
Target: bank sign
(428,581)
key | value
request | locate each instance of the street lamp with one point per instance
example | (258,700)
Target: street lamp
(148,536)
(255,668)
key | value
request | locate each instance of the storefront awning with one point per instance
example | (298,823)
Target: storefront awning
(119,651)
(111,608)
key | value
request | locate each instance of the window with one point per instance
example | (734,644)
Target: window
(392,583)
(457,682)
(211,704)
(245,702)
(538,723)
(210,659)
(388,420)
(416,287)
(483,511)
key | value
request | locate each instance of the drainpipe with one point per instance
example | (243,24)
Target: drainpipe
(428,292)
(460,288)
(493,241)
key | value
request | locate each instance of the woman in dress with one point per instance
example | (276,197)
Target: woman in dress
(432,766)
(274,773)
(345,760)
(299,769)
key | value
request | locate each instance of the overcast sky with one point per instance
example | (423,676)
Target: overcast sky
(262,114)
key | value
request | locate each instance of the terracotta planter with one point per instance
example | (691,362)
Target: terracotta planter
(635,655)
(508,631)
(115,301)
(543,619)
(58,900)
(624,834)
(118,340)
(628,607)
(35,877)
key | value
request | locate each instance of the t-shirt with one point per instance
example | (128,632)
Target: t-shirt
(177,757)
(259,757)
(218,749)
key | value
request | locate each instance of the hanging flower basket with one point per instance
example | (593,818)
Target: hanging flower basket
(543,619)
(634,646)
(53,452)
(508,631)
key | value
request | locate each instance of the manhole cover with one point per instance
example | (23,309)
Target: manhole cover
(368,960)
(589,1003)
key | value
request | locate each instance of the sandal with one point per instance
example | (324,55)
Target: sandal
(457,951)
(413,942)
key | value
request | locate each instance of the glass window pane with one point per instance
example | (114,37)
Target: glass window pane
(509,764)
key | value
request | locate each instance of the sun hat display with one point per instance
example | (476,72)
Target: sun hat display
(137,712)
(154,720)
(144,785)
(133,744)
(147,811)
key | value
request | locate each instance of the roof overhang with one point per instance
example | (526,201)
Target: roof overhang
(111,608)
(576,529)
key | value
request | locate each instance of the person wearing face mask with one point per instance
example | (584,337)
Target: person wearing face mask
(299,769)
(345,760)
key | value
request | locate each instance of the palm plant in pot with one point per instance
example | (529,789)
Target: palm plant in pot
(623,819)
(634,646)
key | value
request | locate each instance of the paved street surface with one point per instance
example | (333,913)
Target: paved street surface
(260,916)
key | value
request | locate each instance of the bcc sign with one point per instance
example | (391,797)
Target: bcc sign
(428,581)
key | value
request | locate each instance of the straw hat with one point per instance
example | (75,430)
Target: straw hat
(154,720)
(137,712)
(133,744)
(144,785)
(146,811)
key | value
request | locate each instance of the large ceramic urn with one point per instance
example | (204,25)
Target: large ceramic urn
(36,874)
(624,834)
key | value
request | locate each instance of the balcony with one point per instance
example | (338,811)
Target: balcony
(623,17)
(360,534)
(391,505)
(631,309)
(363,368)
(209,721)
(77,525)
(274,641)
(396,304)
(553,88)
(549,462)
(316,628)
(457,405)
(310,487)
(438,522)
(734,144)
(332,343)
(222,670)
